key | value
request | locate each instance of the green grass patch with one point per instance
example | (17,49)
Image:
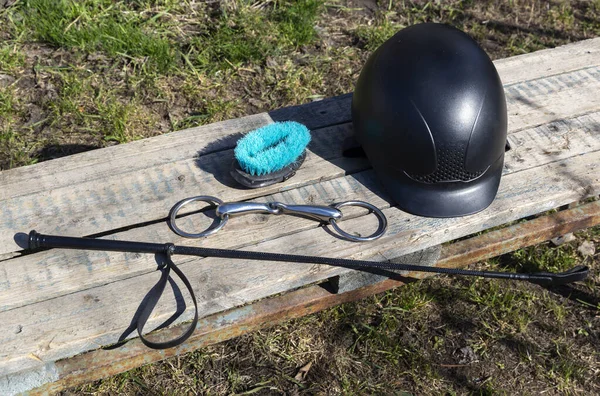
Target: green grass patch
(250,35)
(233,41)
(373,36)
(295,20)
(561,16)
(116,119)
(545,258)
(7,101)
(509,309)
(564,365)
(88,104)
(15,145)
(15,149)
(11,59)
(98,25)
(557,308)
(523,44)
(411,298)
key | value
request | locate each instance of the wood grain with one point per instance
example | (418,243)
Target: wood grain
(549,62)
(547,99)
(89,205)
(49,274)
(84,320)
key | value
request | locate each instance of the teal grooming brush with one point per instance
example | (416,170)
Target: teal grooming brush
(270,154)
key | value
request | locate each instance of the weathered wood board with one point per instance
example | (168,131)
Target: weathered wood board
(52,273)
(143,179)
(59,303)
(87,319)
(107,201)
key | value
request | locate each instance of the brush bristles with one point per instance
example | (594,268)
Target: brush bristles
(272,147)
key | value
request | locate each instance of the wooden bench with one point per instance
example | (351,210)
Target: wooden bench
(58,307)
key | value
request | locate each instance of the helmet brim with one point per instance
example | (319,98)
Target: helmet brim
(443,199)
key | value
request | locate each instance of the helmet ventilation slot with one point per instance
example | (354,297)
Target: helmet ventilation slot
(450,167)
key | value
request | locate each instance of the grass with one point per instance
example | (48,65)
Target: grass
(252,35)
(96,25)
(7,101)
(18,147)
(77,75)
(540,259)
(11,59)
(238,35)
(374,36)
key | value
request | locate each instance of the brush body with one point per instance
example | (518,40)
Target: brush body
(270,154)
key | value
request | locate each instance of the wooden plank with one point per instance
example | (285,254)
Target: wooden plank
(147,194)
(546,99)
(553,141)
(101,363)
(64,326)
(88,205)
(210,138)
(53,273)
(154,151)
(548,62)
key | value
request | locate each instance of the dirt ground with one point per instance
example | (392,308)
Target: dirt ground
(79,75)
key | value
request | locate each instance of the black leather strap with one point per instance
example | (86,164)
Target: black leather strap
(154,295)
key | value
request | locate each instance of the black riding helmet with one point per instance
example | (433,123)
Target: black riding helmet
(430,113)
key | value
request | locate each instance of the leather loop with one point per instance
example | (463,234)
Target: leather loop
(154,295)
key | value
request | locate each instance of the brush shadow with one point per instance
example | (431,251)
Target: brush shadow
(329,140)
(216,159)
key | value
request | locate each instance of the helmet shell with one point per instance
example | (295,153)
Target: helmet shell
(430,112)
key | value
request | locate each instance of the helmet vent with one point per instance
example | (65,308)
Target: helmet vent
(450,166)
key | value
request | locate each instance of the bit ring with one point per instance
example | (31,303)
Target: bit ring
(374,209)
(204,198)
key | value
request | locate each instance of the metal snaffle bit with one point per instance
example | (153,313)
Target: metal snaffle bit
(326,214)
